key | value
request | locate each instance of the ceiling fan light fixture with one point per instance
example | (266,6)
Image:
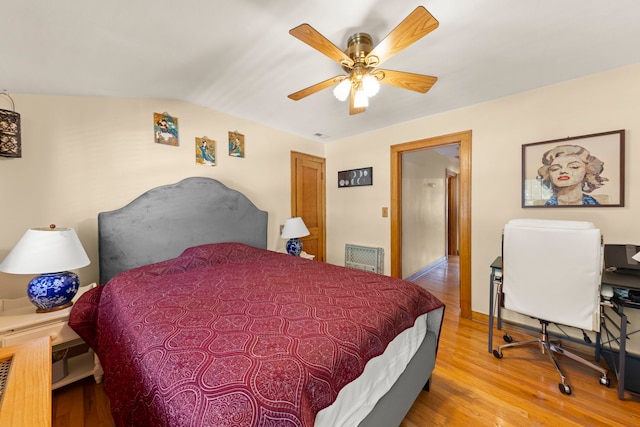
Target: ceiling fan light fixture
(360,61)
(370,85)
(341,91)
(360,99)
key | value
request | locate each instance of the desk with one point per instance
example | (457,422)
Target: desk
(616,280)
(628,282)
(495,290)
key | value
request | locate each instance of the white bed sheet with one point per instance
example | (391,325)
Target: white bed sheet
(356,400)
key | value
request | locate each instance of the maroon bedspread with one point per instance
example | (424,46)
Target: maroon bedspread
(228,334)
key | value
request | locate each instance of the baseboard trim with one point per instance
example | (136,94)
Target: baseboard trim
(419,274)
(480,317)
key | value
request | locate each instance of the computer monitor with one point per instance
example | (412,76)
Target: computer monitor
(619,258)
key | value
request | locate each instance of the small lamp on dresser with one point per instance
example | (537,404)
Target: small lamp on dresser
(292,230)
(49,252)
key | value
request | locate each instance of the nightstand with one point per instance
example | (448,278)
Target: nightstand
(20,323)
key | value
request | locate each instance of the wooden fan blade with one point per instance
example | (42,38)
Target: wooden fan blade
(418,24)
(418,82)
(316,88)
(353,110)
(313,38)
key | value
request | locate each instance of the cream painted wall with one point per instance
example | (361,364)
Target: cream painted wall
(84,155)
(597,103)
(424,187)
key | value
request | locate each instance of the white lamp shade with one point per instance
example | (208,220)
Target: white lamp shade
(341,91)
(360,100)
(370,85)
(46,250)
(636,257)
(294,228)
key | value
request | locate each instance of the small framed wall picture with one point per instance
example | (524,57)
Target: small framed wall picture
(165,129)
(205,151)
(355,177)
(236,144)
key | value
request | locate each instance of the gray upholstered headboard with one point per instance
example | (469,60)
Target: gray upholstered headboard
(164,221)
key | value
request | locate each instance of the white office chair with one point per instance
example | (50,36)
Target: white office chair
(552,272)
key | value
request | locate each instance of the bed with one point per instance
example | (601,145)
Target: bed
(198,324)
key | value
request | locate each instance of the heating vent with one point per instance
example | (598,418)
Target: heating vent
(364,258)
(5,367)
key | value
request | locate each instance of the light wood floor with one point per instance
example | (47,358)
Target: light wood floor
(469,386)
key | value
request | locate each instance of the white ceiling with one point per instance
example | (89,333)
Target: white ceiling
(237,56)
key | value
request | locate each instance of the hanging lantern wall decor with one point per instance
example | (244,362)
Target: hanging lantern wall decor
(10,144)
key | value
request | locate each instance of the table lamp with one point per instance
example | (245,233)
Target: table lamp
(49,252)
(294,228)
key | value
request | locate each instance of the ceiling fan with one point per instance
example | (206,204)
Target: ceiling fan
(360,60)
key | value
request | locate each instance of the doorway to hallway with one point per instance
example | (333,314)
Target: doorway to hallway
(464,208)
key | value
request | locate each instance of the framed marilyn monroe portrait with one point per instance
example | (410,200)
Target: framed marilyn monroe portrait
(579,171)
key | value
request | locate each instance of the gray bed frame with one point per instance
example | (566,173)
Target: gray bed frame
(164,221)
(161,223)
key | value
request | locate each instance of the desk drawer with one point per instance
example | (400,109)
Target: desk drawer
(59,333)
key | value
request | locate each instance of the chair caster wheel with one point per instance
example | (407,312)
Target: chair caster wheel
(497,354)
(564,389)
(604,380)
(507,338)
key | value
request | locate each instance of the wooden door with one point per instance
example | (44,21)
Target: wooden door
(308,200)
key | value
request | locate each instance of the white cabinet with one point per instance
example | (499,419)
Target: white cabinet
(20,323)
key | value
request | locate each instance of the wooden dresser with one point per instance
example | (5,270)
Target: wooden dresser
(26,400)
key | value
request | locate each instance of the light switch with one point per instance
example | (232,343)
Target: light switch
(385,212)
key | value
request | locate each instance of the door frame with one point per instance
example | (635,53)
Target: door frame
(295,156)
(464,208)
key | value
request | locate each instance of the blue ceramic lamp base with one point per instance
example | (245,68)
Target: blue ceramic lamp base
(294,247)
(53,291)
